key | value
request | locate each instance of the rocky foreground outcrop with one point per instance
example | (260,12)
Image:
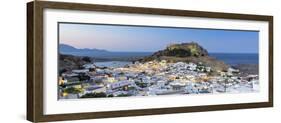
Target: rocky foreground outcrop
(187,52)
(70,62)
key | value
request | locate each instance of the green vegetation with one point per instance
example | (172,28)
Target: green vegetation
(179,53)
(83,77)
(72,90)
(185,50)
(94,95)
(141,84)
(123,95)
(131,88)
(62,71)
(110,95)
(87,59)
(194,51)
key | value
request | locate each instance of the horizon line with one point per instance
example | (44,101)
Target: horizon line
(157,50)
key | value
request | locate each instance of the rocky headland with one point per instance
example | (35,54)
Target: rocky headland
(188,52)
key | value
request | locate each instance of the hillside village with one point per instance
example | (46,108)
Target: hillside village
(156,76)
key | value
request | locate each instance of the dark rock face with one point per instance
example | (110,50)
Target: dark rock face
(187,52)
(183,50)
(69,62)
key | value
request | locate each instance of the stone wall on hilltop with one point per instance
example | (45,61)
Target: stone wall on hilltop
(183,50)
(187,52)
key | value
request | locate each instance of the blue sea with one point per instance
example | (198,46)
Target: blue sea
(228,58)
(237,58)
(112,63)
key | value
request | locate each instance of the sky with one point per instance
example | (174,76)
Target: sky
(121,38)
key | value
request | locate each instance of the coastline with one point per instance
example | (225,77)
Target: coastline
(185,68)
(247,69)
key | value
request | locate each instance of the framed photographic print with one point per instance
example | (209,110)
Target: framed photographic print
(90,61)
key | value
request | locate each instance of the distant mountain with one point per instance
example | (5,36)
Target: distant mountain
(99,53)
(70,50)
(64,48)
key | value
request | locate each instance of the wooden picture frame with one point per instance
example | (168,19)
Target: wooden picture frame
(35,62)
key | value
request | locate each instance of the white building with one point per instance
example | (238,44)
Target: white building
(81,71)
(120,84)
